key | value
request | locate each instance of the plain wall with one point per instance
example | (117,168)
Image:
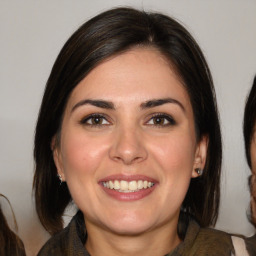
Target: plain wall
(32,34)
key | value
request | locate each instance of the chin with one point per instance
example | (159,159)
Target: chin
(132,225)
(129,229)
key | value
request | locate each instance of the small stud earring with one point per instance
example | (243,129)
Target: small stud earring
(60,178)
(199,171)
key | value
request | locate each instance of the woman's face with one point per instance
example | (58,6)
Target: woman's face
(128,147)
(253,152)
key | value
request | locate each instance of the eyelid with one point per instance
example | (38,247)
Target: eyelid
(84,120)
(168,117)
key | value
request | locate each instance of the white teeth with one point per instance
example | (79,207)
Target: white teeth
(116,184)
(111,184)
(125,186)
(140,184)
(133,185)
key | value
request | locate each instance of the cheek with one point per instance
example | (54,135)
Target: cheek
(175,154)
(175,158)
(80,153)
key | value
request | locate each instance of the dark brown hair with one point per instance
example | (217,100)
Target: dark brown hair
(249,130)
(10,243)
(111,33)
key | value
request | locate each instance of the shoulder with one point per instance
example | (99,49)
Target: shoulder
(56,245)
(69,241)
(208,241)
(215,241)
(250,243)
(214,235)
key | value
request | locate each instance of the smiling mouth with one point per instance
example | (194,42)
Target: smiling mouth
(124,186)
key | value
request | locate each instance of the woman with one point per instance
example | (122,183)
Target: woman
(250,149)
(10,243)
(129,124)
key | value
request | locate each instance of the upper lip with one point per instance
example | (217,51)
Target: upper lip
(127,178)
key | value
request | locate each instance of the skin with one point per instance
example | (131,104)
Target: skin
(130,140)
(253,177)
(253,153)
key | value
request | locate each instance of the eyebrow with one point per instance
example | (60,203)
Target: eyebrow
(97,103)
(159,102)
(110,105)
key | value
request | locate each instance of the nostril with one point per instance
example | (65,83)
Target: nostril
(128,147)
(129,159)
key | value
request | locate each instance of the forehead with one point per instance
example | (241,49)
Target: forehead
(137,73)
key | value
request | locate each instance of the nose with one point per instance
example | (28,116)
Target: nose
(128,147)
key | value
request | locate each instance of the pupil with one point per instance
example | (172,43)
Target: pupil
(97,120)
(158,120)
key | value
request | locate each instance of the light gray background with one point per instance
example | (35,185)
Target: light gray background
(33,32)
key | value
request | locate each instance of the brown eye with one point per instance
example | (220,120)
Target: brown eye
(95,120)
(161,120)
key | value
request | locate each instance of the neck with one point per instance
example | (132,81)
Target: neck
(159,241)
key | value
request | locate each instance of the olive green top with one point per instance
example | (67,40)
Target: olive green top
(251,245)
(198,241)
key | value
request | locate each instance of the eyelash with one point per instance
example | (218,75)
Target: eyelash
(85,120)
(164,117)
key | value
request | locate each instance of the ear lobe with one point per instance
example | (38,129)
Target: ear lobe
(57,158)
(200,156)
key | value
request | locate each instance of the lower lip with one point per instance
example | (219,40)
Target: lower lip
(130,196)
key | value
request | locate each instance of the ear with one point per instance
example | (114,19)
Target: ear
(200,156)
(57,157)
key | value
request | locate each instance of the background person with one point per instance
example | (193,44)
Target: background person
(10,243)
(250,149)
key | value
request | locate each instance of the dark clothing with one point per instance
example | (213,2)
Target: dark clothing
(251,245)
(68,242)
(198,241)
